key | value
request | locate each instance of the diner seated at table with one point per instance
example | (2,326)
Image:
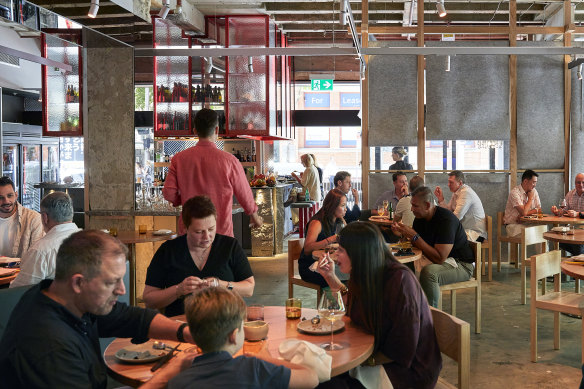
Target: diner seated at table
(385,298)
(52,337)
(399,190)
(523,200)
(574,208)
(440,235)
(215,316)
(466,206)
(343,183)
(196,260)
(322,230)
(403,211)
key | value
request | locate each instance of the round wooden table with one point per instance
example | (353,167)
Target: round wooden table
(7,279)
(358,346)
(576,271)
(558,237)
(381,221)
(130,238)
(552,219)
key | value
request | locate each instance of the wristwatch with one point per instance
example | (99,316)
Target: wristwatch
(415,237)
(229,285)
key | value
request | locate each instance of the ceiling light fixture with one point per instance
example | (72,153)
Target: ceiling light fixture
(579,72)
(440,8)
(343,15)
(164,10)
(93,8)
(250,64)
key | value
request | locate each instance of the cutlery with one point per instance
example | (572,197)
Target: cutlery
(165,359)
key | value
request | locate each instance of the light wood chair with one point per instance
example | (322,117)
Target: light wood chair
(453,337)
(529,235)
(502,237)
(294,249)
(473,282)
(488,245)
(542,266)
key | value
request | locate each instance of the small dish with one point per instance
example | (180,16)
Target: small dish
(162,232)
(255,330)
(140,353)
(322,328)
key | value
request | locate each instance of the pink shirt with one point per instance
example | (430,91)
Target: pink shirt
(518,197)
(205,170)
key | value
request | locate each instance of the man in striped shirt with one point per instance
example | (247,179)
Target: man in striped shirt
(575,208)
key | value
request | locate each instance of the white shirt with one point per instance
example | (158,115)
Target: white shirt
(39,261)
(468,208)
(403,209)
(310,181)
(8,229)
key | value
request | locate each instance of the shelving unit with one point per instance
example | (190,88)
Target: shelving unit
(62,90)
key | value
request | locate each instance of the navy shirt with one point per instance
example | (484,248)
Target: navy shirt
(445,228)
(352,215)
(172,263)
(47,346)
(221,370)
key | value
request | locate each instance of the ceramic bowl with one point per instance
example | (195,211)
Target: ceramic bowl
(255,330)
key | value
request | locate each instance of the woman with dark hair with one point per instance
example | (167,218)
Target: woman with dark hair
(196,260)
(385,298)
(397,154)
(321,231)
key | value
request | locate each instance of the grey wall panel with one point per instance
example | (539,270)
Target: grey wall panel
(577,129)
(471,101)
(393,98)
(540,109)
(550,187)
(378,183)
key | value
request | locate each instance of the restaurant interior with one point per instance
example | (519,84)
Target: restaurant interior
(97,105)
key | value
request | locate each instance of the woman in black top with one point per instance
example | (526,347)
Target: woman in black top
(398,153)
(199,259)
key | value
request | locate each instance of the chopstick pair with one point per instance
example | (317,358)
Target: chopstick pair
(165,359)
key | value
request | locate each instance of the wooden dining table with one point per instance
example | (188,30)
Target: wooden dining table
(130,238)
(358,346)
(551,219)
(9,278)
(559,237)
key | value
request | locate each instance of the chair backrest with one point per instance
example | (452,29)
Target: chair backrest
(500,216)
(545,265)
(476,249)
(294,249)
(489,221)
(453,336)
(533,235)
(9,297)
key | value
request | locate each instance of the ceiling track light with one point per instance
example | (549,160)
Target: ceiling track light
(209,66)
(579,72)
(93,8)
(447,63)
(440,8)
(250,64)
(343,15)
(164,10)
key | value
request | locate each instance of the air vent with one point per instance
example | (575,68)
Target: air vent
(9,60)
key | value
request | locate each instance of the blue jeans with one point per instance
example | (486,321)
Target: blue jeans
(573,249)
(434,275)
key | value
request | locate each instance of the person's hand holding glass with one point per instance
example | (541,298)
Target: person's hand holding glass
(563,206)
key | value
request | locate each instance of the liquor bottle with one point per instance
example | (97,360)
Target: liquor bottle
(306,195)
(390,211)
(198,94)
(253,153)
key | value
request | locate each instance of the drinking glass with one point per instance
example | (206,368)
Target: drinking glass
(385,204)
(563,206)
(332,308)
(381,210)
(255,312)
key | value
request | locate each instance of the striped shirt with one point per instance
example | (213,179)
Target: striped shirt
(575,201)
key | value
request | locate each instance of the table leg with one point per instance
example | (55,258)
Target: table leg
(132,260)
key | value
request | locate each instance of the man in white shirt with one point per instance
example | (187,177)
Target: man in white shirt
(523,200)
(466,205)
(38,263)
(20,227)
(403,211)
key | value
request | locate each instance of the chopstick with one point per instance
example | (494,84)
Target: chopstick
(165,359)
(574,263)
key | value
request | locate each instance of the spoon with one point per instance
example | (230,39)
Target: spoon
(159,345)
(315,320)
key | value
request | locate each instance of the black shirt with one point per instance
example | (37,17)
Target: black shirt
(401,165)
(352,215)
(172,263)
(445,228)
(47,346)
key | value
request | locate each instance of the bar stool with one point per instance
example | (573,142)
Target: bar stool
(306,210)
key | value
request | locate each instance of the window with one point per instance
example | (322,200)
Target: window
(317,137)
(143,98)
(350,137)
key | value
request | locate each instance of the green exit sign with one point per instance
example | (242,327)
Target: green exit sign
(321,84)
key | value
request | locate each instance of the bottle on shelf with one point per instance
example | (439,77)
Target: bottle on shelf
(253,153)
(306,195)
(198,94)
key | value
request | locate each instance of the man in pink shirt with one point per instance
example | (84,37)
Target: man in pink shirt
(205,170)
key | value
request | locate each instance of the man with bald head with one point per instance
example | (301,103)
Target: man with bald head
(575,208)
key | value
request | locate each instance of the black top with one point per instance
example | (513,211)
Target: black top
(172,263)
(407,337)
(47,346)
(445,228)
(220,370)
(353,215)
(401,165)
(319,170)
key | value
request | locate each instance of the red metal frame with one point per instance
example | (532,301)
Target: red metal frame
(76,34)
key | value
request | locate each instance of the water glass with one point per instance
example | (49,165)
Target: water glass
(293,308)
(255,312)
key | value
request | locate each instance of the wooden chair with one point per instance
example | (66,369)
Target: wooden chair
(542,266)
(529,235)
(503,238)
(487,245)
(294,249)
(453,337)
(473,282)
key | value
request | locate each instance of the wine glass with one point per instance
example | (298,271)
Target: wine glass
(380,210)
(332,308)
(563,206)
(385,204)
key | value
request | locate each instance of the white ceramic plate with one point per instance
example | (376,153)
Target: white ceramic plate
(561,229)
(322,328)
(140,353)
(162,232)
